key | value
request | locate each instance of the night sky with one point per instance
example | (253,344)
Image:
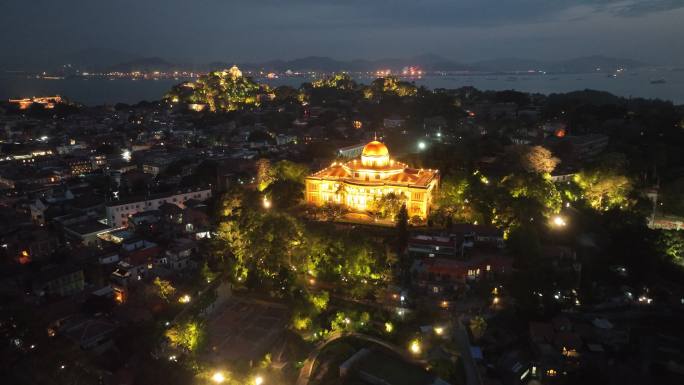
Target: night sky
(201,31)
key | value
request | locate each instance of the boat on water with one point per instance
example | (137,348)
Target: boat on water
(658,81)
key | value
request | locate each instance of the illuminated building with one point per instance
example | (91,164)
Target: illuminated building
(48,102)
(358,183)
(80,166)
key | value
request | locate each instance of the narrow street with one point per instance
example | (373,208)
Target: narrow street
(463,342)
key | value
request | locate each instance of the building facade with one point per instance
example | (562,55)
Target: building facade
(119,212)
(357,184)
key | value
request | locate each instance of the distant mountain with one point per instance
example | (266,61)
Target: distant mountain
(96,59)
(326,64)
(147,64)
(90,59)
(430,62)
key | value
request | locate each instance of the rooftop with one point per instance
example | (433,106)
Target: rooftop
(143,198)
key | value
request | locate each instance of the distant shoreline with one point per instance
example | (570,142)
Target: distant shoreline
(99,90)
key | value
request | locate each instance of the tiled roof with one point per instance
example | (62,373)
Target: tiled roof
(416,177)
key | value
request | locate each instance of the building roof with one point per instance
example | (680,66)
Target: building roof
(375,168)
(433,240)
(408,176)
(150,197)
(87,227)
(375,148)
(541,332)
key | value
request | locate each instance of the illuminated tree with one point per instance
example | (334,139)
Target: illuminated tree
(286,170)
(333,211)
(477,326)
(340,81)
(285,194)
(368,93)
(533,159)
(264,173)
(164,289)
(454,203)
(301,321)
(671,244)
(392,85)
(283,170)
(406,89)
(388,205)
(207,274)
(188,336)
(539,160)
(225,90)
(319,301)
(604,189)
(269,248)
(349,321)
(539,191)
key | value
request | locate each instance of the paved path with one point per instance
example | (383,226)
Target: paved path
(307,370)
(461,337)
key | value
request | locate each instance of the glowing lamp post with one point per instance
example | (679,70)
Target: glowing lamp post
(414,347)
(258,380)
(266,203)
(558,221)
(218,377)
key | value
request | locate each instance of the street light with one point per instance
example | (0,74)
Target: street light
(558,221)
(421,145)
(267,203)
(258,380)
(218,377)
(415,347)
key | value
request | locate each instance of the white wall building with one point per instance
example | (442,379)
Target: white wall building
(118,212)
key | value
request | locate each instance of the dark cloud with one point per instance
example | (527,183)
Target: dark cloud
(202,30)
(640,8)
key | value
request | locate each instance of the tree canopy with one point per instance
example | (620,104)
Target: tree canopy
(226,90)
